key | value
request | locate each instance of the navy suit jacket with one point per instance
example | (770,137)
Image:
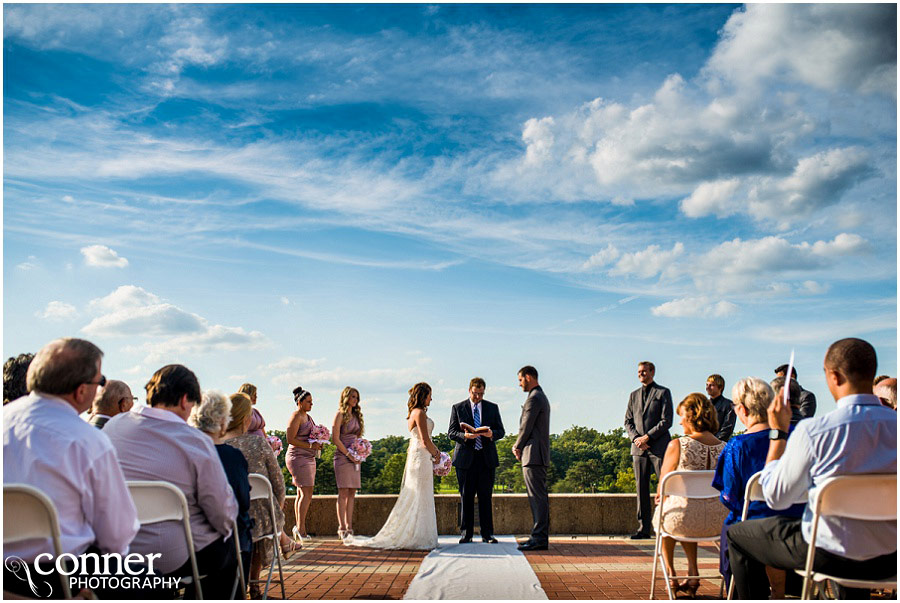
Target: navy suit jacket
(464,451)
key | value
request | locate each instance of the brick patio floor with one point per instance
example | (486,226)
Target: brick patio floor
(574,567)
(579,567)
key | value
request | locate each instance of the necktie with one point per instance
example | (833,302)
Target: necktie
(477,425)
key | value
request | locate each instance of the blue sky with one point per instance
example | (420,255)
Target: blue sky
(374,195)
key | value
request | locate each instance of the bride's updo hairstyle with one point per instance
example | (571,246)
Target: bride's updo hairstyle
(299,394)
(417,396)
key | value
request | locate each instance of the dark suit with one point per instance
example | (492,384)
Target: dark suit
(725,414)
(534,442)
(98,421)
(649,413)
(475,469)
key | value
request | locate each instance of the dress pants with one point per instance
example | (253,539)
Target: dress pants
(216,561)
(536,486)
(477,479)
(777,541)
(643,465)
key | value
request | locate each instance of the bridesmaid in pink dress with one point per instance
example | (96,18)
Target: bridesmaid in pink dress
(257,423)
(301,458)
(348,425)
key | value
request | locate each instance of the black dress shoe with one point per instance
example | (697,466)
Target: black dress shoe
(641,536)
(464,539)
(532,546)
(489,539)
(528,542)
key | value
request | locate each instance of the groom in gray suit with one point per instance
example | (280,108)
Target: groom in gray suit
(647,422)
(532,448)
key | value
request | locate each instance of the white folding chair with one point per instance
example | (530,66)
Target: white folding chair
(688,484)
(261,488)
(239,578)
(867,497)
(28,514)
(158,501)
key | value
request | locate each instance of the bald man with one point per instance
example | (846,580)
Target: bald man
(113,399)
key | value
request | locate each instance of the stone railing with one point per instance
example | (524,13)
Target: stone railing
(569,513)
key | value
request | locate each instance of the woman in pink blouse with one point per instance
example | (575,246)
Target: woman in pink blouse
(301,458)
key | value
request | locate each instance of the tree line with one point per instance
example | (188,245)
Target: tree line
(581,460)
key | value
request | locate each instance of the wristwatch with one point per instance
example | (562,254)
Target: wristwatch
(777,434)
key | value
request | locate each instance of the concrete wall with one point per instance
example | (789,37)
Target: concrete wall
(569,513)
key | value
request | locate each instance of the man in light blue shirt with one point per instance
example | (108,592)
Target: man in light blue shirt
(860,437)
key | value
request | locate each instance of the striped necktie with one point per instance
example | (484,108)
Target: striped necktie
(477,416)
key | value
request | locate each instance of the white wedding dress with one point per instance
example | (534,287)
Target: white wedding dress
(412,523)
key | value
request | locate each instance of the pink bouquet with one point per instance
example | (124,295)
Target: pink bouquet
(360,449)
(319,434)
(275,443)
(442,467)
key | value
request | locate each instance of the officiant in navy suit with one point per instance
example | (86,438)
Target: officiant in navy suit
(475,458)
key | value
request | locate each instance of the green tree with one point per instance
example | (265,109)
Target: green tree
(392,475)
(326,482)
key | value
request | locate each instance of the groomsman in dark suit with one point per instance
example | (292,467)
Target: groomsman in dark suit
(532,448)
(475,459)
(647,421)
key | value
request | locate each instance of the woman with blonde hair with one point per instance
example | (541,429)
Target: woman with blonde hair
(744,455)
(412,523)
(260,459)
(348,425)
(697,450)
(257,423)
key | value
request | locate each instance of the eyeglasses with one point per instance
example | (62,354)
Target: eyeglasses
(101,383)
(132,398)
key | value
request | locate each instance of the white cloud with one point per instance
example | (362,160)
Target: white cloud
(285,301)
(603,257)
(715,197)
(124,297)
(57,310)
(213,338)
(312,373)
(155,320)
(694,307)
(31,264)
(814,288)
(538,137)
(648,262)
(103,256)
(829,46)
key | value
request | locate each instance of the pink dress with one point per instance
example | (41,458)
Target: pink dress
(301,462)
(346,472)
(257,423)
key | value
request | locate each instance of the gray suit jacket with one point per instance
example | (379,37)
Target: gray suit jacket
(534,429)
(653,418)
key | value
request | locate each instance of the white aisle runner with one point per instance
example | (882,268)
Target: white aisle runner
(475,571)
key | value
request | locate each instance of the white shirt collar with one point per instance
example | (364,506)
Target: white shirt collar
(159,413)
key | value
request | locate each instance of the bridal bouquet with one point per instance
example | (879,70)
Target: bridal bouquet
(442,467)
(360,449)
(319,434)
(275,443)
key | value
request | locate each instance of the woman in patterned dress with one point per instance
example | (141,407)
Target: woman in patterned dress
(348,426)
(698,449)
(301,458)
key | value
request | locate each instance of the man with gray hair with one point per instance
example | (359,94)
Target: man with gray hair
(794,393)
(886,390)
(113,399)
(46,445)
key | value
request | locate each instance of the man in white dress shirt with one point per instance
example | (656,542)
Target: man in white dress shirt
(46,445)
(155,443)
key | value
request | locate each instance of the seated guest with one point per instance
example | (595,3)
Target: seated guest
(155,443)
(260,459)
(859,437)
(211,417)
(886,390)
(47,445)
(806,401)
(697,450)
(113,399)
(794,392)
(744,455)
(14,371)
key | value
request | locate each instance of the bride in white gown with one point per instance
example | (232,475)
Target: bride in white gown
(412,523)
